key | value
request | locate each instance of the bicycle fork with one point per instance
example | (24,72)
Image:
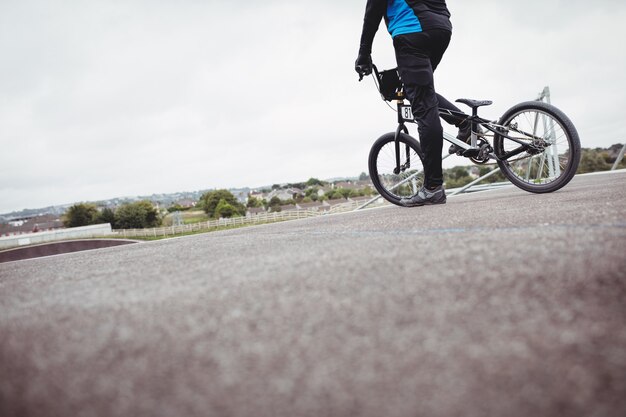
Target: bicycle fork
(405,114)
(401,167)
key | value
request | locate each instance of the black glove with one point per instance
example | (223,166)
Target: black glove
(363,64)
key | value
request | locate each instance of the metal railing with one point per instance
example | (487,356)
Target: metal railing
(619,158)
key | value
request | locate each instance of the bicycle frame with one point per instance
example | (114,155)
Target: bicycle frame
(405,115)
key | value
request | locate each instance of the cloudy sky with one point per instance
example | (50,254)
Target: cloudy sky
(100,99)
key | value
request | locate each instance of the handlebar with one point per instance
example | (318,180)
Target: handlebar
(364,70)
(388,83)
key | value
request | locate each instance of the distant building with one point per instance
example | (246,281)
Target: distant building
(285,194)
(256,194)
(324,190)
(31,225)
(347,185)
(255,211)
(288,207)
(185,203)
(241,194)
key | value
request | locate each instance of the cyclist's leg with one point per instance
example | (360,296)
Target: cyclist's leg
(413,53)
(426,112)
(447,105)
(441,40)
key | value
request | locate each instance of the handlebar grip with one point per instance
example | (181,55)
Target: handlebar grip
(363,70)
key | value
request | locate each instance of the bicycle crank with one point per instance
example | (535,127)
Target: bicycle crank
(480,154)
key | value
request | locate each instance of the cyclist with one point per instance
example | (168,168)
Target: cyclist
(421,32)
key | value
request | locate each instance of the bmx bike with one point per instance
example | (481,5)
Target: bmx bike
(535,145)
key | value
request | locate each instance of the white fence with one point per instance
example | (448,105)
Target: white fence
(236,221)
(102,230)
(97,230)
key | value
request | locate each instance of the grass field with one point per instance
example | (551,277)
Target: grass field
(188,217)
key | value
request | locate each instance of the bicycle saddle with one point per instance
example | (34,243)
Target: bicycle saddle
(474,103)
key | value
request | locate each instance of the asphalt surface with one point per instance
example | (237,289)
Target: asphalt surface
(501,303)
(57,248)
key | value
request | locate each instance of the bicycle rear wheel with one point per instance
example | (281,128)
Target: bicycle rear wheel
(396,170)
(554,153)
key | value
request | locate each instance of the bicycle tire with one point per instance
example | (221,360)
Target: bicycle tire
(552,168)
(394,186)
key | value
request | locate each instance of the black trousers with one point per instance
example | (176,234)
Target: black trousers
(418,55)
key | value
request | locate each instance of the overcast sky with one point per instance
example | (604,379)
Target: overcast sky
(100,99)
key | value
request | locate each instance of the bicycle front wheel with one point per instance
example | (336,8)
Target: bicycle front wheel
(545,155)
(396,168)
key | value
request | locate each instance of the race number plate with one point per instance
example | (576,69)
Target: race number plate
(406,113)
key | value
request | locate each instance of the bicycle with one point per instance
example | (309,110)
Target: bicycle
(535,145)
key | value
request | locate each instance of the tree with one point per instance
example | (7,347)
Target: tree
(212,198)
(275,203)
(592,161)
(457,177)
(300,185)
(138,215)
(335,194)
(458,172)
(314,181)
(345,192)
(364,177)
(612,153)
(177,207)
(311,193)
(498,177)
(224,209)
(80,215)
(106,216)
(254,202)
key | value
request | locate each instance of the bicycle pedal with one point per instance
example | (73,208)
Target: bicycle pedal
(471,152)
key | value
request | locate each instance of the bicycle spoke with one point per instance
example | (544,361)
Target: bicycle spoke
(533,165)
(410,178)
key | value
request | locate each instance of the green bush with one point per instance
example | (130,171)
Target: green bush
(139,215)
(106,216)
(211,199)
(254,202)
(177,207)
(592,161)
(224,209)
(80,215)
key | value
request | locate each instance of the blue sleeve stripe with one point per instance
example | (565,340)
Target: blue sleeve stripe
(401,18)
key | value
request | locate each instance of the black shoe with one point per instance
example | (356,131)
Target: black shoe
(426,197)
(464,135)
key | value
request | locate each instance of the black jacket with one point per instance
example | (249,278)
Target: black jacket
(432,14)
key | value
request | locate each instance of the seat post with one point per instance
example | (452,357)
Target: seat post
(474,139)
(474,105)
